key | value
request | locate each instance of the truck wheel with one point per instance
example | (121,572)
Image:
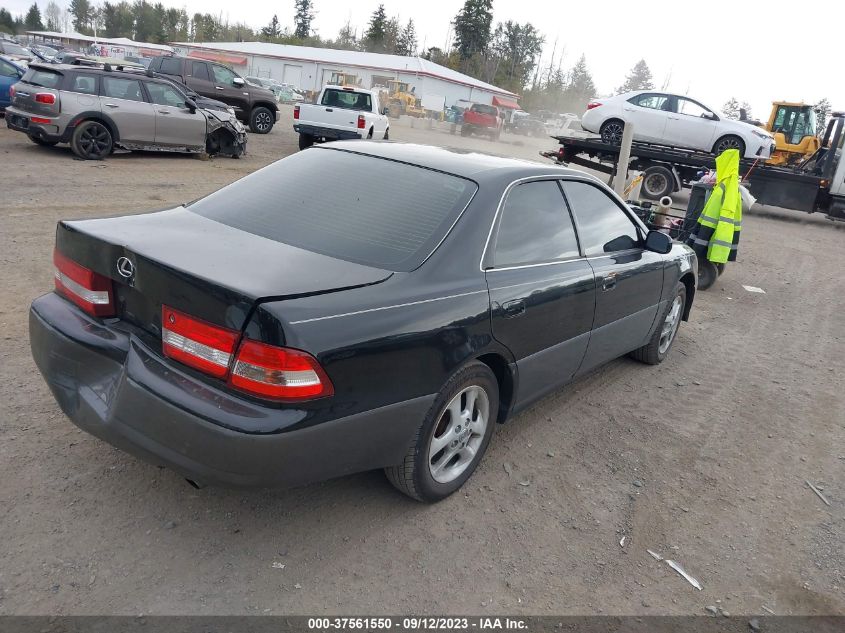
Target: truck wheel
(305,141)
(611,131)
(370,134)
(452,438)
(729,142)
(658,181)
(661,341)
(261,120)
(91,140)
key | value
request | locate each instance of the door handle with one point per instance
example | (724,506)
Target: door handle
(218,87)
(609,281)
(111,105)
(513,308)
(164,111)
(674,118)
(329,110)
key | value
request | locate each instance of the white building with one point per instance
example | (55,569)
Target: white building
(311,68)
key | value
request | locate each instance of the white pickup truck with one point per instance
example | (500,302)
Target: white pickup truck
(341,112)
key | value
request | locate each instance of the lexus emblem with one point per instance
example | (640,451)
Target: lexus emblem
(125,267)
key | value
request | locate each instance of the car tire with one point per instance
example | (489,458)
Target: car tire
(91,140)
(657,348)
(729,142)
(370,134)
(261,120)
(611,131)
(42,142)
(466,130)
(658,181)
(428,474)
(305,141)
(386,136)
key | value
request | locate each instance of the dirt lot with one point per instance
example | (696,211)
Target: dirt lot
(702,459)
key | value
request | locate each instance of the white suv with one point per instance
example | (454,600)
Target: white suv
(675,120)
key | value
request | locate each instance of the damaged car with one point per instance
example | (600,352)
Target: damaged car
(98,109)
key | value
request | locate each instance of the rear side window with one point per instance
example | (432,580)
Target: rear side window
(199,70)
(43,78)
(86,84)
(171,66)
(347,99)
(535,226)
(484,109)
(129,89)
(353,207)
(602,225)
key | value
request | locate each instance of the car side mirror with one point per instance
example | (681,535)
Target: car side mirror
(191,105)
(385,111)
(658,242)
(710,115)
(238,81)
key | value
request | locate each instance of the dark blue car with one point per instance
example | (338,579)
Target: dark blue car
(10,74)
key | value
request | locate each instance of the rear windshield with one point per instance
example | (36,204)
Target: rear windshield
(43,78)
(13,49)
(354,207)
(485,109)
(347,99)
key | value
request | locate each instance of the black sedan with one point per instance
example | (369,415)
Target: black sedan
(358,305)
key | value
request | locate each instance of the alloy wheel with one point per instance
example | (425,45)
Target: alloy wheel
(670,326)
(94,141)
(612,133)
(458,434)
(726,144)
(263,121)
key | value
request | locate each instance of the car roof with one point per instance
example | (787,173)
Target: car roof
(460,162)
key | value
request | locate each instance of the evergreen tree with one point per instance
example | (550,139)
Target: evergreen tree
(302,19)
(272,30)
(639,78)
(83,15)
(579,87)
(118,19)
(33,22)
(745,106)
(392,33)
(822,113)
(515,48)
(374,37)
(7,22)
(731,108)
(407,44)
(347,38)
(472,27)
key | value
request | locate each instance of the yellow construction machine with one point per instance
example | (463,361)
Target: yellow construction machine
(794,128)
(402,100)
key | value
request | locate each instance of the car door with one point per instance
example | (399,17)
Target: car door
(9,74)
(542,291)
(198,78)
(123,100)
(224,85)
(648,112)
(692,125)
(629,278)
(176,125)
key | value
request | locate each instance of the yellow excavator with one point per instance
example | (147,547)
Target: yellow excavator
(794,128)
(402,100)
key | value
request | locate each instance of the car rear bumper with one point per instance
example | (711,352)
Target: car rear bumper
(110,384)
(325,132)
(22,122)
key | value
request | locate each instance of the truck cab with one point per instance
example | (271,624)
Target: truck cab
(341,112)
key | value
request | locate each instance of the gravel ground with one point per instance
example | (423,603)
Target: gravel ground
(702,459)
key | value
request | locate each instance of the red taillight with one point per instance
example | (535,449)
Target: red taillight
(593,104)
(11,91)
(296,112)
(362,123)
(267,371)
(38,119)
(279,373)
(89,290)
(45,97)
(196,343)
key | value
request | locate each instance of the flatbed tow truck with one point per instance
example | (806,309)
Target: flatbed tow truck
(816,184)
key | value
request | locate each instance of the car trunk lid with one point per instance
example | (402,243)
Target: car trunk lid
(37,93)
(199,266)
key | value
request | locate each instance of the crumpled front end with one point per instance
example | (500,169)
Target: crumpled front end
(226,136)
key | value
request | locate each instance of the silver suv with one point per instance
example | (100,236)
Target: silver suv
(96,109)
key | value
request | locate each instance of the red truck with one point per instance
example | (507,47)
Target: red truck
(482,119)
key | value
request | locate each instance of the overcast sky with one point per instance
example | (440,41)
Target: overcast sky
(756,51)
